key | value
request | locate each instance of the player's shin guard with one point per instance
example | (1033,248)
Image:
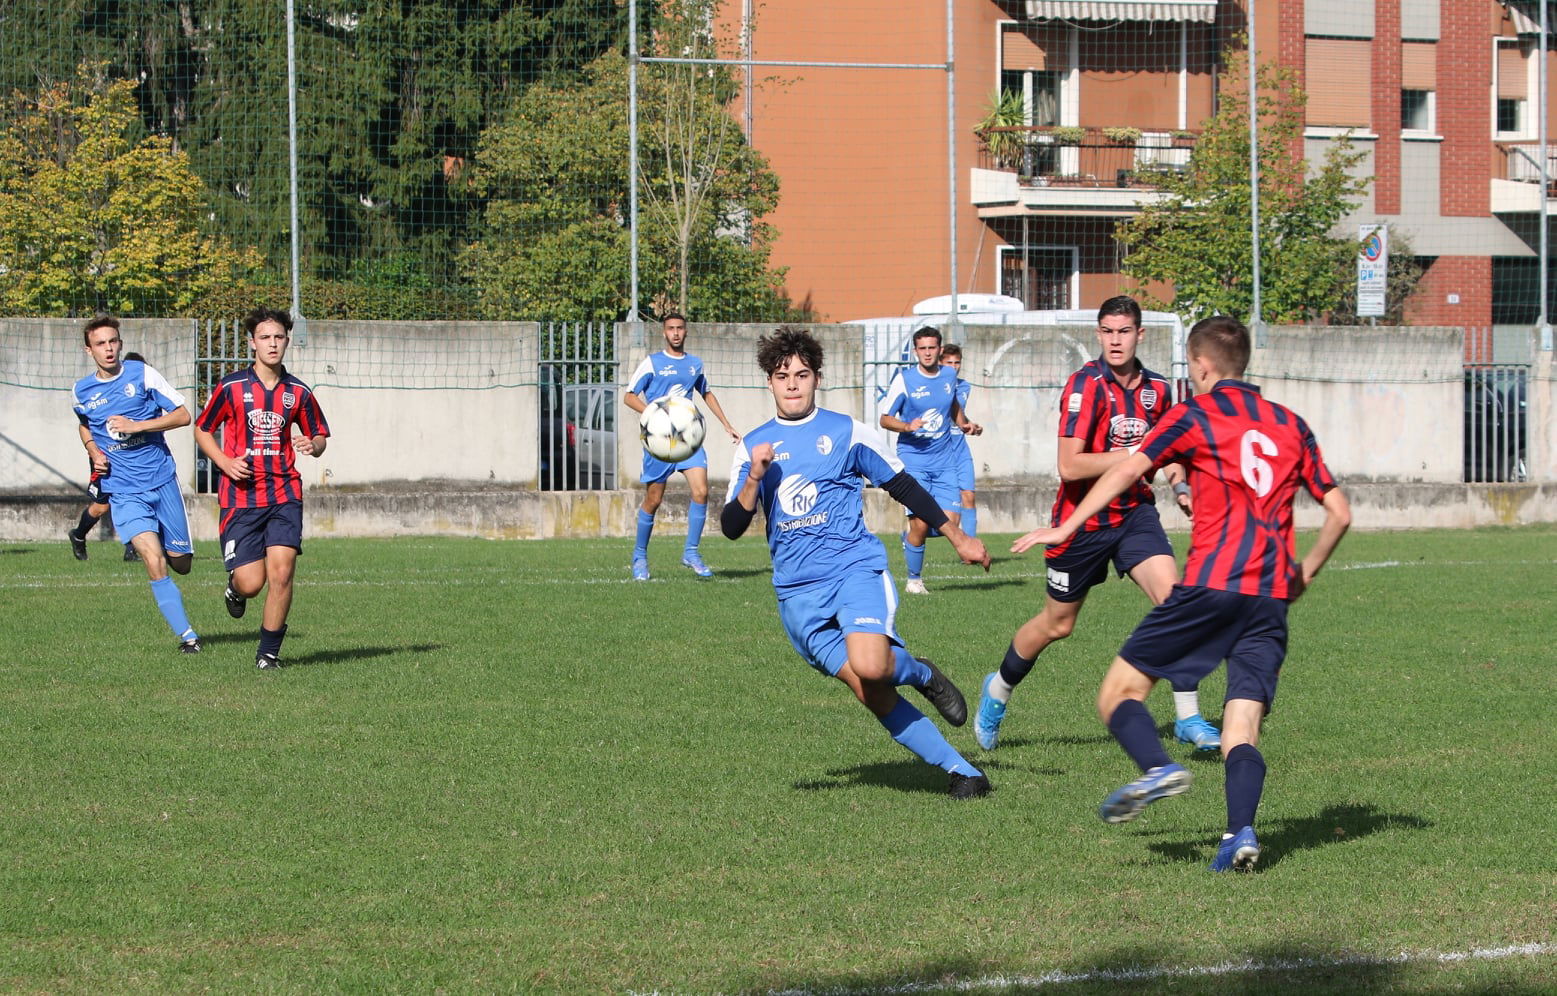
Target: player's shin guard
(914,556)
(270,640)
(1132,726)
(908,671)
(910,728)
(171,604)
(697,514)
(1244,771)
(970,520)
(645,527)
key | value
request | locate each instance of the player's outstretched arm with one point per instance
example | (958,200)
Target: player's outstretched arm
(906,490)
(1338,519)
(1114,482)
(177,418)
(311,445)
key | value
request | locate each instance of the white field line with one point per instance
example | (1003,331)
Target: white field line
(1155,973)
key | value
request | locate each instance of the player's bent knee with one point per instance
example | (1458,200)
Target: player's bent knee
(181,563)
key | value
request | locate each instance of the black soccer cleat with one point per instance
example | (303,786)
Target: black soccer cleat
(236,603)
(191,646)
(77,544)
(267,662)
(968,786)
(129,553)
(942,694)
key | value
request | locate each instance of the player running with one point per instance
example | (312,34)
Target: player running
(805,467)
(1246,458)
(261,492)
(126,407)
(968,512)
(921,405)
(673,372)
(1108,407)
(98,506)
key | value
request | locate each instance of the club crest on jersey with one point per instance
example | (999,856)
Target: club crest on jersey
(1149,398)
(129,390)
(289,399)
(824,445)
(1126,430)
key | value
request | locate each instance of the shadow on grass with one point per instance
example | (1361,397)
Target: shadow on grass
(1290,967)
(981,583)
(1279,838)
(904,776)
(357,654)
(18,549)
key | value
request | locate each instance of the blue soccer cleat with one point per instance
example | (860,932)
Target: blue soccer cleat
(1160,782)
(1195,730)
(692,560)
(640,569)
(986,724)
(1237,853)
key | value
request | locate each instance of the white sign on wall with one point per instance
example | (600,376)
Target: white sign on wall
(1372,270)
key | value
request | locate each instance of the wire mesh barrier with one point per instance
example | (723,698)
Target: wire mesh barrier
(483,166)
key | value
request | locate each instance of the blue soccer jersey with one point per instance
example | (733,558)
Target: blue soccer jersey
(812,496)
(661,375)
(140,461)
(913,394)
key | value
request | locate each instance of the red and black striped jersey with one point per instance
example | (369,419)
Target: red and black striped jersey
(256,423)
(1105,415)
(1246,457)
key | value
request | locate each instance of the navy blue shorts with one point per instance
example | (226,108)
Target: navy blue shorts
(246,532)
(1186,637)
(1084,562)
(95,490)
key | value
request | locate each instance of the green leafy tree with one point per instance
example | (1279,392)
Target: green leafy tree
(1196,239)
(554,173)
(91,219)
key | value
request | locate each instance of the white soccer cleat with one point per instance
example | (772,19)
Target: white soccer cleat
(915,586)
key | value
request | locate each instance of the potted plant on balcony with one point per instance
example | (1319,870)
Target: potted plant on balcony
(999,129)
(1068,134)
(1122,136)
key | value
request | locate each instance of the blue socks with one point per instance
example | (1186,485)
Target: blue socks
(910,728)
(645,527)
(171,604)
(970,520)
(1132,726)
(1245,780)
(697,514)
(914,555)
(908,671)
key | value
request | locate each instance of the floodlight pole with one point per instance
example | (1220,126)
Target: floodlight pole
(1256,320)
(300,327)
(951,163)
(632,158)
(1546,324)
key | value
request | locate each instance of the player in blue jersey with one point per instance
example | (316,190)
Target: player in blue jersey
(98,506)
(673,372)
(807,468)
(126,406)
(968,511)
(921,405)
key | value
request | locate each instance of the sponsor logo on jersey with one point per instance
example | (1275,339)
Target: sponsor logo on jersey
(933,420)
(824,445)
(264,421)
(1073,403)
(796,495)
(1125,431)
(1059,580)
(98,401)
(920,392)
(668,371)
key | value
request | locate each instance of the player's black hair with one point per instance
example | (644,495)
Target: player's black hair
(951,349)
(101,320)
(1121,304)
(786,341)
(138,358)
(259,316)
(674,314)
(927,332)
(1224,341)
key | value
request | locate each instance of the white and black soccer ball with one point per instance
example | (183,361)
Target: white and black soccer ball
(671,428)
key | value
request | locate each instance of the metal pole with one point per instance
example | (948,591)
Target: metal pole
(632,156)
(746,31)
(300,327)
(1546,325)
(1256,320)
(951,156)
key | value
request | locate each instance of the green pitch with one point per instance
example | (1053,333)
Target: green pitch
(503,766)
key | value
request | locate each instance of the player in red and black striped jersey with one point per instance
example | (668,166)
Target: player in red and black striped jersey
(1107,408)
(261,492)
(1247,457)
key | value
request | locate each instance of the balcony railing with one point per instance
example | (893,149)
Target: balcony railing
(1086,157)
(1522,163)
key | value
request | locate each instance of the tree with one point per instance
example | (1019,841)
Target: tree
(1196,238)
(1405,272)
(554,175)
(93,220)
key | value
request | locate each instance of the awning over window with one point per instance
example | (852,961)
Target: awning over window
(1526,17)
(1123,10)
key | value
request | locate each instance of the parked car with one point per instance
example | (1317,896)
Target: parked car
(577,435)
(1495,427)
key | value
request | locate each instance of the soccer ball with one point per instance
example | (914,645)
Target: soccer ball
(671,428)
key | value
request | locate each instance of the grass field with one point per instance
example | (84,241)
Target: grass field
(504,767)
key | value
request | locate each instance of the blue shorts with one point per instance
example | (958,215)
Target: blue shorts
(818,617)
(1084,562)
(941,482)
(656,470)
(246,532)
(1186,637)
(962,461)
(160,510)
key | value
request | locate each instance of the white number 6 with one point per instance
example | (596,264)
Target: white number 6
(1257,473)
